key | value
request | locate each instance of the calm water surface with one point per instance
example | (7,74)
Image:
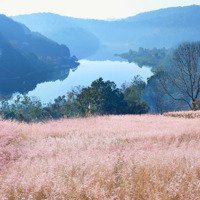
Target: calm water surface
(88,71)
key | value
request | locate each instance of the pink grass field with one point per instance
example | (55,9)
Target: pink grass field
(147,157)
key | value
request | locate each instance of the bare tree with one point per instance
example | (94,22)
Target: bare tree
(159,101)
(181,80)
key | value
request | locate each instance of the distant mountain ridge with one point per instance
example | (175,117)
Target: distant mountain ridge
(28,58)
(75,37)
(161,28)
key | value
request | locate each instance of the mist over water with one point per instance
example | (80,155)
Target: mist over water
(86,73)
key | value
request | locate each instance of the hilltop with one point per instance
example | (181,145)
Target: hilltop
(160,28)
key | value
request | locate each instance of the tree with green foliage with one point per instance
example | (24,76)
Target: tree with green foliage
(66,105)
(147,57)
(133,96)
(102,97)
(23,108)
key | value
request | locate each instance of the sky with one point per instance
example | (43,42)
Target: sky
(97,9)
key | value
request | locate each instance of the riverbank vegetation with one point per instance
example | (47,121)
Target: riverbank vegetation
(147,57)
(101,98)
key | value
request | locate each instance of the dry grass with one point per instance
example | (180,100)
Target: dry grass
(184,114)
(111,157)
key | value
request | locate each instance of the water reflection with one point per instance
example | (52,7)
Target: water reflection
(88,71)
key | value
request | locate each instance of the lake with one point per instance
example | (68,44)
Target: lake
(88,71)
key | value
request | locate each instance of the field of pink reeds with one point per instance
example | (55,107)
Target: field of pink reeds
(112,157)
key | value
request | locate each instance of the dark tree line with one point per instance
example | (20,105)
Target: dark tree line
(101,98)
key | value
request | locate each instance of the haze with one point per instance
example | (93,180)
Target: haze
(98,9)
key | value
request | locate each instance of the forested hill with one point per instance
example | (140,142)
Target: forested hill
(28,58)
(160,28)
(70,31)
(178,16)
(154,58)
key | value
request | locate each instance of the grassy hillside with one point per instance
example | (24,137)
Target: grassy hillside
(111,157)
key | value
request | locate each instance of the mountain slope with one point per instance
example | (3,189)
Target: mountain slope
(161,28)
(63,31)
(28,58)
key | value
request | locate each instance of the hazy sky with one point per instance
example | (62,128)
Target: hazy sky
(102,9)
